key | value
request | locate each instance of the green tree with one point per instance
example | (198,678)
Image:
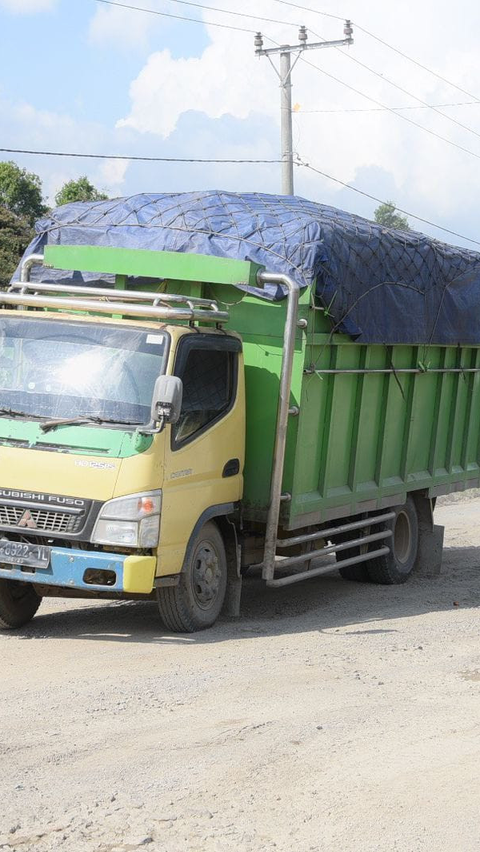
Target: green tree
(15,235)
(79,190)
(385,215)
(21,192)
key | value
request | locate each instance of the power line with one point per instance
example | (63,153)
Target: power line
(384,109)
(135,158)
(303,164)
(299,162)
(384,106)
(391,109)
(306,9)
(230,12)
(177,17)
(378,103)
(386,44)
(401,89)
(358,62)
(415,62)
(284,73)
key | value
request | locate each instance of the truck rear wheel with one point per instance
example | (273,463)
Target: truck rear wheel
(196,602)
(18,604)
(396,567)
(356,573)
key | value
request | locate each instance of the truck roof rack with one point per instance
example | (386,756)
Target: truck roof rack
(141,303)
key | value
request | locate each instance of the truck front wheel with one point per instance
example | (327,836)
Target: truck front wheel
(197,601)
(18,604)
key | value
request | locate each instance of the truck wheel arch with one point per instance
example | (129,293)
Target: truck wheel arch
(219,514)
(181,610)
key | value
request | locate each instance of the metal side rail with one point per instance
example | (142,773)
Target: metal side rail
(326,569)
(169,306)
(36,287)
(111,307)
(332,532)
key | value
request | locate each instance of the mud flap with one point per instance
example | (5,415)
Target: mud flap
(430,551)
(233,596)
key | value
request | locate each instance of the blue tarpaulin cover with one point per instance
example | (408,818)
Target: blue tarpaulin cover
(381,285)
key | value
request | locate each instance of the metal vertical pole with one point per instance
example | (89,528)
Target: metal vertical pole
(285,75)
(283,411)
(286,123)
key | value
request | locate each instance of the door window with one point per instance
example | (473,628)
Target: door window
(209,378)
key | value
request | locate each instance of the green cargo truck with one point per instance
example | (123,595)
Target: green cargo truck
(161,436)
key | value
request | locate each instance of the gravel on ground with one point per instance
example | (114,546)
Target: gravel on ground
(330,716)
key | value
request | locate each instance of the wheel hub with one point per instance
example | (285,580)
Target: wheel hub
(402,538)
(206,576)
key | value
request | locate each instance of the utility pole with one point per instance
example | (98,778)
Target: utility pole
(285,76)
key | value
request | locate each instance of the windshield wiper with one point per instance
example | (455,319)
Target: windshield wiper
(11,412)
(47,425)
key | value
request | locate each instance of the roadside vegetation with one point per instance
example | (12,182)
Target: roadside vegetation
(22,202)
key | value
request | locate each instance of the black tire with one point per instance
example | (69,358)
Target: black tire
(396,567)
(196,602)
(353,573)
(18,604)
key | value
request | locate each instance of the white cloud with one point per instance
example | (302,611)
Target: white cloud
(227,79)
(225,103)
(46,130)
(219,82)
(27,7)
(112,175)
(125,27)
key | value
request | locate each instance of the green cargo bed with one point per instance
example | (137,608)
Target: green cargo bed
(374,421)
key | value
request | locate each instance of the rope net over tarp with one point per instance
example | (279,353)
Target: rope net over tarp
(380,285)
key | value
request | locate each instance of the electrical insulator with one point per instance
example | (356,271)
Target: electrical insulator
(348,29)
(258,41)
(302,35)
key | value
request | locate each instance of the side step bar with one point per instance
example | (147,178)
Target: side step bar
(326,569)
(328,533)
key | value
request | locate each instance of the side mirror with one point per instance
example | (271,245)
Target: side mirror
(167,399)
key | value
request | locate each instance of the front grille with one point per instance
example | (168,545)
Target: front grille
(43,520)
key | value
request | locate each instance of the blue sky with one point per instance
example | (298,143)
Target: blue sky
(61,68)
(82,76)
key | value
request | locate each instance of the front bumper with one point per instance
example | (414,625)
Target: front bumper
(133,574)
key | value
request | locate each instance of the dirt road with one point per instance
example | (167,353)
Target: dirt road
(332,716)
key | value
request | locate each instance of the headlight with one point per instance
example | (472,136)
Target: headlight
(132,521)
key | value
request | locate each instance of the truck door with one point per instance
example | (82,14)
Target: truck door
(204,454)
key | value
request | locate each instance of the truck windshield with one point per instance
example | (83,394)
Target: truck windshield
(55,369)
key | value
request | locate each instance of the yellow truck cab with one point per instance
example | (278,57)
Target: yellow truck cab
(96,491)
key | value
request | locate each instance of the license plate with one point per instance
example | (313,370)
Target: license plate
(27,555)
